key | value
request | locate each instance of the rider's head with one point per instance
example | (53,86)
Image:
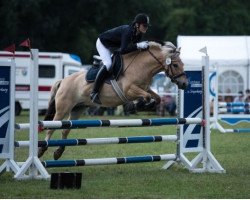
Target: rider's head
(141,22)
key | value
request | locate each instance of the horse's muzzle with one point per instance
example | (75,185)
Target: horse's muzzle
(180,80)
(182,84)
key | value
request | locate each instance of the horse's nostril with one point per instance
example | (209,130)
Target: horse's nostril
(185,85)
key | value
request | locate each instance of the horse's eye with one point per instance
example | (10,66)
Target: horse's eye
(175,65)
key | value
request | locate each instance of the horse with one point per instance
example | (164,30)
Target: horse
(70,96)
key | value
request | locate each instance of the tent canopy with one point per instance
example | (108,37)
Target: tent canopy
(222,50)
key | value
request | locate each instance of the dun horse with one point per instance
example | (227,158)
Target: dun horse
(71,95)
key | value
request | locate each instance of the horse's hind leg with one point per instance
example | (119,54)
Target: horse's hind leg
(58,116)
(74,115)
(41,150)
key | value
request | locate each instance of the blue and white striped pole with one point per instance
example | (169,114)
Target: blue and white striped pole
(233,104)
(239,130)
(108,161)
(117,123)
(234,110)
(98,141)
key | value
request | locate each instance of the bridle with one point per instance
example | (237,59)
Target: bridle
(168,68)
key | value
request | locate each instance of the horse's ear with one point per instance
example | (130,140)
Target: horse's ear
(178,49)
(177,52)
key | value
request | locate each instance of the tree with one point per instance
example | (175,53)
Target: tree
(73,25)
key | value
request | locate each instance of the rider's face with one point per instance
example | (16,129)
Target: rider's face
(143,28)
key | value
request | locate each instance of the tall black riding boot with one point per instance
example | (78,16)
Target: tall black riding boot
(102,74)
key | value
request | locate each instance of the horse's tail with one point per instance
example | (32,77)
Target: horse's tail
(51,111)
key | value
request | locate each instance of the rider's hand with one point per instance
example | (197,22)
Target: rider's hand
(142,45)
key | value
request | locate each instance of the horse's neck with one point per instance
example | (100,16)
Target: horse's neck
(140,66)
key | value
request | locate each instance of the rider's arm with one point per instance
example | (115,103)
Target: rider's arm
(126,44)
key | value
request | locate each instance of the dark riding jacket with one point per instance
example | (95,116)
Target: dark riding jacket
(122,38)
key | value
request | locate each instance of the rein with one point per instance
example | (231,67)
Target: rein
(131,62)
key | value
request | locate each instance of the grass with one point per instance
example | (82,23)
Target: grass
(143,180)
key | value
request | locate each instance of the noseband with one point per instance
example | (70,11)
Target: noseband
(169,68)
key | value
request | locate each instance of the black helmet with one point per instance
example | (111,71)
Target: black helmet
(141,19)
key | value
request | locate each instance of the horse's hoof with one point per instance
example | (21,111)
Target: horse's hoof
(58,153)
(41,151)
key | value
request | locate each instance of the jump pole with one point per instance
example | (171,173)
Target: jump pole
(33,165)
(98,141)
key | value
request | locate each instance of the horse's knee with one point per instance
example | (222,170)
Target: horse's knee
(148,98)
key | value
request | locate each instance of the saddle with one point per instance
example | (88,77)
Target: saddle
(115,72)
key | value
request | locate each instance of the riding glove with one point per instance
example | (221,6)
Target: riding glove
(142,45)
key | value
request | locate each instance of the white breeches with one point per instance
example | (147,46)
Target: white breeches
(104,53)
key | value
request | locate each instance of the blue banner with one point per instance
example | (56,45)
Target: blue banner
(193,109)
(5,76)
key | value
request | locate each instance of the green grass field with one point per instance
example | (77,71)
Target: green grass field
(143,180)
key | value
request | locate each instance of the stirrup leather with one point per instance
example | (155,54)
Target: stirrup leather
(95,98)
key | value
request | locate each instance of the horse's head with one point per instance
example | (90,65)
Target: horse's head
(172,64)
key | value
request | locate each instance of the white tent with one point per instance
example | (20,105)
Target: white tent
(225,52)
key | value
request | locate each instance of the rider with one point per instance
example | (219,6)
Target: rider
(125,39)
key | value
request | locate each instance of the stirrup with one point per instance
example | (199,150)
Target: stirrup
(95,98)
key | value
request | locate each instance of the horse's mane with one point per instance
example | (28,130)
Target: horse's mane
(162,43)
(167,48)
(159,44)
(170,44)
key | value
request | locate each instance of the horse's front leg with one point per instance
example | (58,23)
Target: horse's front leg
(155,96)
(143,102)
(136,92)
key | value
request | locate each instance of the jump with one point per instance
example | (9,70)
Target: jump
(71,95)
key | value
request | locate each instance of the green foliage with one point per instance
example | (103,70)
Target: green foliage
(73,26)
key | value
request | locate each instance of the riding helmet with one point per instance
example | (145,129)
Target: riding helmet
(141,18)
